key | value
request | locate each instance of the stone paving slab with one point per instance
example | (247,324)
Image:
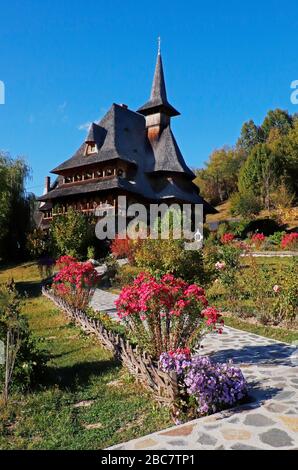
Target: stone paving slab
(103,301)
(268,422)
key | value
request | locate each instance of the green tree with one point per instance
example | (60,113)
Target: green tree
(72,233)
(15,206)
(261,173)
(219,180)
(278,119)
(251,135)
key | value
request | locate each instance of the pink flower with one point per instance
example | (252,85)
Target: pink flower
(220,265)
(227,238)
(276,289)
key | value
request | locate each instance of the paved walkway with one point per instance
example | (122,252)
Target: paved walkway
(103,301)
(269,421)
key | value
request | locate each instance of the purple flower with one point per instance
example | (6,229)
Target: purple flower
(213,385)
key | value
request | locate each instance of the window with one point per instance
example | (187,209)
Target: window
(87,176)
(98,174)
(67,179)
(78,177)
(109,172)
(120,172)
(91,148)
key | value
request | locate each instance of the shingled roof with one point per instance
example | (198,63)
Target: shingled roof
(159,169)
(158,98)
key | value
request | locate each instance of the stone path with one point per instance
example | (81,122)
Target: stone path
(103,301)
(269,421)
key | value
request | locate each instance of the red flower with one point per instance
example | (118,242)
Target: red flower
(227,238)
(289,240)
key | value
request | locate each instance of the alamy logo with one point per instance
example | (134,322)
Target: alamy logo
(2,92)
(294,94)
(155,221)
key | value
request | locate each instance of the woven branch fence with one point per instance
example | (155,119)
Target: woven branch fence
(140,364)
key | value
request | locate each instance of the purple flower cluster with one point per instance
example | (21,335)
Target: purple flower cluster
(177,361)
(213,385)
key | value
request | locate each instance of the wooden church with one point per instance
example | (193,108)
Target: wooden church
(131,153)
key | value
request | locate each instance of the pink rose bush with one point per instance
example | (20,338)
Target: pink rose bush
(258,240)
(75,281)
(227,238)
(166,314)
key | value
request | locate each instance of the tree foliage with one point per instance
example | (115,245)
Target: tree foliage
(71,234)
(16,206)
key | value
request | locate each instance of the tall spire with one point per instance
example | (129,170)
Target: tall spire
(158,101)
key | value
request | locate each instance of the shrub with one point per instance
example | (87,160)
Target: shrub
(258,240)
(124,248)
(246,205)
(160,257)
(276,238)
(127,274)
(90,252)
(165,314)
(290,241)
(37,243)
(227,238)
(75,281)
(265,226)
(25,358)
(227,263)
(72,233)
(205,387)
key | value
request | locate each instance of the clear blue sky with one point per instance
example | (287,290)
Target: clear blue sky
(65,62)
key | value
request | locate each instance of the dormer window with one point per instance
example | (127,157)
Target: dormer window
(91,147)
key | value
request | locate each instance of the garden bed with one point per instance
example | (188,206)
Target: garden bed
(140,364)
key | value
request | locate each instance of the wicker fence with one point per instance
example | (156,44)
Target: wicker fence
(140,364)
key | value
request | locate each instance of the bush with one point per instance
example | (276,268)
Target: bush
(258,240)
(205,387)
(72,233)
(290,241)
(124,248)
(227,264)
(126,275)
(26,358)
(37,243)
(75,281)
(276,238)
(165,314)
(160,257)
(246,205)
(265,226)
(90,252)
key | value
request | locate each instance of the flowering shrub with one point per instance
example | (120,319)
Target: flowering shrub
(289,241)
(124,248)
(258,239)
(227,238)
(75,281)
(213,386)
(167,313)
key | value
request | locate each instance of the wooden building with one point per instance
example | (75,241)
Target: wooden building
(131,153)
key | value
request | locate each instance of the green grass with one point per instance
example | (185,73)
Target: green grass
(281,334)
(78,369)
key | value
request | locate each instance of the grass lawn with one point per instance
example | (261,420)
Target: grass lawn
(78,370)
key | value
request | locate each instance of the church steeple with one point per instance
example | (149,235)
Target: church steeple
(158,102)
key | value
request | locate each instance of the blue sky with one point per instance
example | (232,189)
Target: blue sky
(65,62)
